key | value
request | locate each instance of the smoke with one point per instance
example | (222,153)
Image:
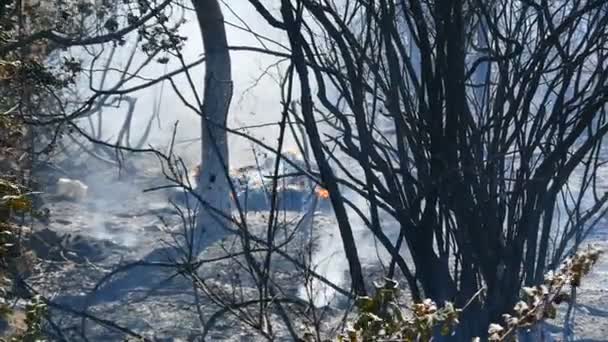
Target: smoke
(256,102)
(256,99)
(329,259)
(108,198)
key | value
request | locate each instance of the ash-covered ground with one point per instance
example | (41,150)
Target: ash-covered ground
(118,224)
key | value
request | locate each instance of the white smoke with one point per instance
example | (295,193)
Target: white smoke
(256,101)
(329,259)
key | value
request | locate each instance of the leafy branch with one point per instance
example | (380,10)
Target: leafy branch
(539,302)
(382,318)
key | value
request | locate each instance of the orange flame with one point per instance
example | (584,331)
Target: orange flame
(322,193)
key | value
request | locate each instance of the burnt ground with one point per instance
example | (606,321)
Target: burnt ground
(118,225)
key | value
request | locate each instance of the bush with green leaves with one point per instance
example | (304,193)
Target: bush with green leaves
(382,318)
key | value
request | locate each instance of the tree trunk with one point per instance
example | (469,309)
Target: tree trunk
(213,186)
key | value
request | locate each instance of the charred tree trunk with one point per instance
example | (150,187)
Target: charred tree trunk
(327,175)
(486,134)
(213,186)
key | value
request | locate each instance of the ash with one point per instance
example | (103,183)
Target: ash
(112,258)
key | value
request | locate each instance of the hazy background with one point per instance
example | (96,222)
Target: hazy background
(256,98)
(256,101)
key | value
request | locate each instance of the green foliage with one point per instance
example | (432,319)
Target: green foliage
(539,302)
(14,258)
(34,313)
(382,318)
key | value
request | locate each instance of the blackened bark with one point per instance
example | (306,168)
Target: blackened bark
(327,175)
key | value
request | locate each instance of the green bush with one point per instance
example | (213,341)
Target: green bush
(382,318)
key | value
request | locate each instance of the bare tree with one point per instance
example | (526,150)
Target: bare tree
(214,180)
(469,147)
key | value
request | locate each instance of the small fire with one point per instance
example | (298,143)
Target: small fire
(322,193)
